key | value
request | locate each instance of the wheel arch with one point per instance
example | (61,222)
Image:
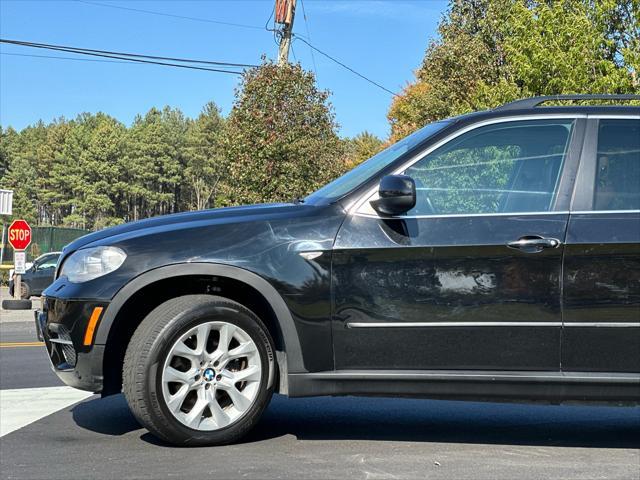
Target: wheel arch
(288,350)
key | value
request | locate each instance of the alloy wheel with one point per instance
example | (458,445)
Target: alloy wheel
(211,376)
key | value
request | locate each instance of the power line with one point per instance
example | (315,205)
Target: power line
(306,24)
(66,58)
(345,66)
(273,30)
(162,14)
(49,46)
(117,57)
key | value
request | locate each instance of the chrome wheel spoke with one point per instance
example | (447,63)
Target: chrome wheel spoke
(181,350)
(173,375)
(175,402)
(202,336)
(240,401)
(241,350)
(227,381)
(218,414)
(226,334)
(249,374)
(194,417)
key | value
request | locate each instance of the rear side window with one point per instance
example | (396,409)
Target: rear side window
(48,262)
(501,168)
(617,185)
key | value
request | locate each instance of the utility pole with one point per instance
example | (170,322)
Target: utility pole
(284,15)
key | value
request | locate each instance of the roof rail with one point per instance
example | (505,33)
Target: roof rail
(533,102)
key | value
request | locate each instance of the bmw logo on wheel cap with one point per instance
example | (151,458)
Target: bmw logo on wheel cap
(209,374)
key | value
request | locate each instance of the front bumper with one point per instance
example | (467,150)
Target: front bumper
(61,325)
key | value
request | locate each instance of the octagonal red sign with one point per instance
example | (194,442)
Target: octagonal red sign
(19,234)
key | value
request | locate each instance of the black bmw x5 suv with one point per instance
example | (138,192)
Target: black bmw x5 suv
(492,256)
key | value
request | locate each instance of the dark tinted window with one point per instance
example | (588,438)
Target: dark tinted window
(499,168)
(618,166)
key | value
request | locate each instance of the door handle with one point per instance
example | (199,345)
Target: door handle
(534,243)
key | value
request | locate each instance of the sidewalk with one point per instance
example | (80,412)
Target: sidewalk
(17,315)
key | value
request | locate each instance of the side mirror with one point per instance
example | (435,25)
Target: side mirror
(397,195)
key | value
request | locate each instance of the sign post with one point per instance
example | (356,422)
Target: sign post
(19,238)
(6,204)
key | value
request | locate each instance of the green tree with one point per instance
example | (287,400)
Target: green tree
(154,163)
(23,153)
(361,147)
(50,156)
(6,137)
(205,164)
(19,178)
(99,167)
(280,139)
(83,173)
(565,47)
(493,51)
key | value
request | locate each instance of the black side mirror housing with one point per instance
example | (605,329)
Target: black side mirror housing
(397,195)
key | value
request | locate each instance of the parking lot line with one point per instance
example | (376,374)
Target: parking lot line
(22,406)
(20,344)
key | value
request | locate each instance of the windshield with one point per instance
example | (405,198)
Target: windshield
(367,169)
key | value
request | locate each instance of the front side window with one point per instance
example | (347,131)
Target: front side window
(617,185)
(363,172)
(500,168)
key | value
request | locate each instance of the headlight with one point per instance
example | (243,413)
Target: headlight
(90,263)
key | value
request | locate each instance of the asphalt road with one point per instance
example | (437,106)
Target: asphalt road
(24,367)
(320,437)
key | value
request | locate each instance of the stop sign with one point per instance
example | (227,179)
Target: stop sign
(19,234)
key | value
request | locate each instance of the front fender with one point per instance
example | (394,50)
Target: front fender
(275,300)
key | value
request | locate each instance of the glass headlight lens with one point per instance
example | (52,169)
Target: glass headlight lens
(90,263)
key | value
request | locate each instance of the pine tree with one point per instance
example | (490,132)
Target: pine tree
(155,163)
(205,163)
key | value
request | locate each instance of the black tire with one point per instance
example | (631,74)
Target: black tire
(14,304)
(149,347)
(25,294)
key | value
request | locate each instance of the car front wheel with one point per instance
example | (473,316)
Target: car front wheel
(199,370)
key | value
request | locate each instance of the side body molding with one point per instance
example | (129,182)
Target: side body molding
(285,321)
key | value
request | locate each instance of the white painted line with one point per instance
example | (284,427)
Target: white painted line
(22,406)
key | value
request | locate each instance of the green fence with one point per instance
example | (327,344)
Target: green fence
(52,239)
(46,239)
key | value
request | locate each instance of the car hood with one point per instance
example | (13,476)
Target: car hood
(186,219)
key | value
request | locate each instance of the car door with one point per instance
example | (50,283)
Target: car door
(602,257)
(440,287)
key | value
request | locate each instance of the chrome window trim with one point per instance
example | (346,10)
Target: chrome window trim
(600,212)
(470,215)
(353,208)
(603,324)
(491,324)
(615,116)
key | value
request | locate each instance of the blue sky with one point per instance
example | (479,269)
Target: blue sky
(384,40)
